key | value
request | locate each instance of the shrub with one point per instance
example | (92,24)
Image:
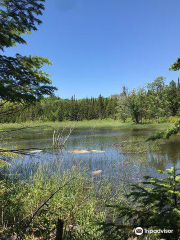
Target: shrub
(152,204)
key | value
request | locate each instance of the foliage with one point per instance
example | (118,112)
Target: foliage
(122,108)
(57,109)
(166,134)
(152,204)
(79,204)
(17,18)
(176,65)
(21,79)
(157,97)
(136,104)
(156,102)
(173,100)
(174,119)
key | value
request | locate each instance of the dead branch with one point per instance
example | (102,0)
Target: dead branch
(59,140)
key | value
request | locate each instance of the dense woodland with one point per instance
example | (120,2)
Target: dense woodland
(154,101)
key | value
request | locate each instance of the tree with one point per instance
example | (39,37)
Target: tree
(176,65)
(110,108)
(122,107)
(136,104)
(100,106)
(172,98)
(156,97)
(73,111)
(176,129)
(17,18)
(21,79)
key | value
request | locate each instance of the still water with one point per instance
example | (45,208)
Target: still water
(113,161)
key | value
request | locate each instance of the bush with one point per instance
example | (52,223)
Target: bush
(163,120)
(152,204)
(174,119)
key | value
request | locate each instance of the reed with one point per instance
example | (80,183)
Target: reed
(80,204)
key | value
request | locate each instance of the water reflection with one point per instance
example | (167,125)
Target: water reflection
(111,162)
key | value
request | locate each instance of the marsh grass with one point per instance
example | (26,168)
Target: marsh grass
(138,145)
(80,204)
(93,124)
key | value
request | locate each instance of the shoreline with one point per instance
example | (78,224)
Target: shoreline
(91,124)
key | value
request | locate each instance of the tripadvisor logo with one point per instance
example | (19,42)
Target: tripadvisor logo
(138,231)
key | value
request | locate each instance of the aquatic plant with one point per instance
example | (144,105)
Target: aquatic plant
(79,204)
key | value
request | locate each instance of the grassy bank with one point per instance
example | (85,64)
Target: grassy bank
(93,124)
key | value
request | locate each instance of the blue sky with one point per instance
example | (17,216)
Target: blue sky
(98,46)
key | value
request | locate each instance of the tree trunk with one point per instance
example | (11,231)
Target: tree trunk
(59,230)
(137,118)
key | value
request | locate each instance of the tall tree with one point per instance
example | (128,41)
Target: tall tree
(136,104)
(100,106)
(172,98)
(156,97)
(122,107)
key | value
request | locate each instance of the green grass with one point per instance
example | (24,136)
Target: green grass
(80,204)
(85,124)
(139,145)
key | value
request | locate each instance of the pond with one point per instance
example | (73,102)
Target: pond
(118,151)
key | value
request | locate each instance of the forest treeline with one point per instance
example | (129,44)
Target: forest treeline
(154,101)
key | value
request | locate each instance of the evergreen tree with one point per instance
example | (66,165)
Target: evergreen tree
(100,106)
(172,98)
(153,204)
